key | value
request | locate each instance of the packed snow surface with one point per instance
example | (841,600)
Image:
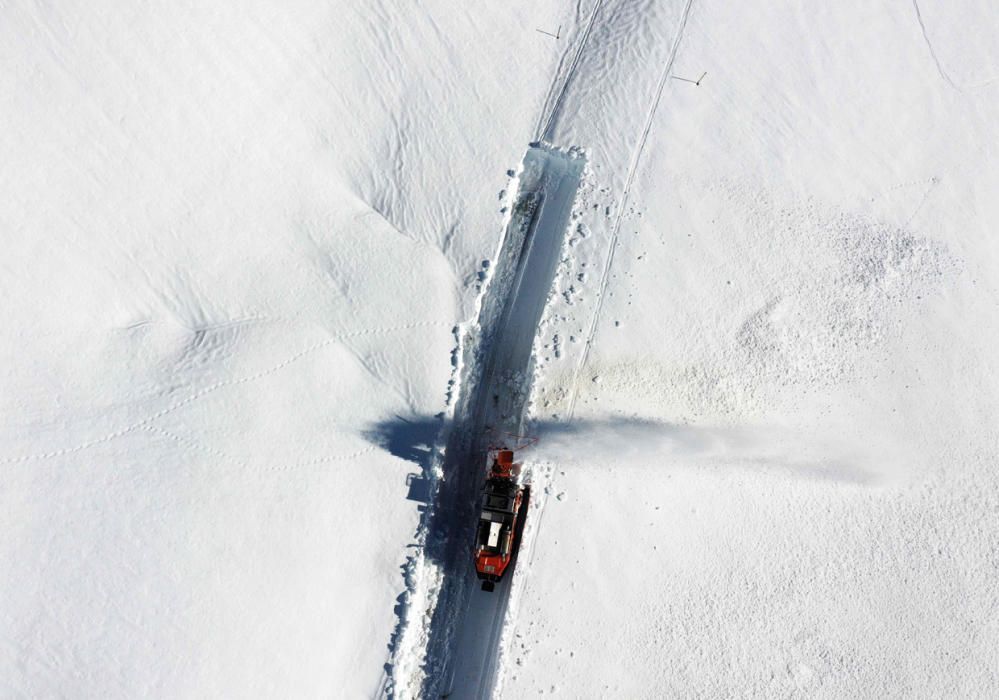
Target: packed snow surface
(244,244)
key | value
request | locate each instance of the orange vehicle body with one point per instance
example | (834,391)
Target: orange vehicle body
(500,519)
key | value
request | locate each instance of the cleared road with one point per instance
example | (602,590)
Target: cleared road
(467,625)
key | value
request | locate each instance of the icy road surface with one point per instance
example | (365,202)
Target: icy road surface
(466,628)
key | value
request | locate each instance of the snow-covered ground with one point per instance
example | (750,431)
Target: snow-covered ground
(237,237)
(803,299)
(241,242)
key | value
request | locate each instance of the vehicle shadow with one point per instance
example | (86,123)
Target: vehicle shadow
(411,439)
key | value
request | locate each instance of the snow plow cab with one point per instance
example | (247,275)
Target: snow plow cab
(501,519)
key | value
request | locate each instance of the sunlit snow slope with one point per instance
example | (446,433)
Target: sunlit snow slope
(781,482)
(236,236)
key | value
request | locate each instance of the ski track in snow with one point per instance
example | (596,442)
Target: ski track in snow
(929,46)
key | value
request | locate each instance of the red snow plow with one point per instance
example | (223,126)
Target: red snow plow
(501,519)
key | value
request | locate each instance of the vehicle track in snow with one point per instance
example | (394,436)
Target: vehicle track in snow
(622,204)
(543,133)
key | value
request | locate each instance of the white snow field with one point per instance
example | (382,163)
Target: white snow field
(237,237)
(803,302)
(246,310)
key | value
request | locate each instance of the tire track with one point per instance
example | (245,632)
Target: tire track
(622,204)
(541,135)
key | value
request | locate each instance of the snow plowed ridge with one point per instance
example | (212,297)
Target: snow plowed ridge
(462,625)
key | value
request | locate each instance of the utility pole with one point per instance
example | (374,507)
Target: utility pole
(688,80)
(556,35)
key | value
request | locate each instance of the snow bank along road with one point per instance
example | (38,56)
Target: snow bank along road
(464,634)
